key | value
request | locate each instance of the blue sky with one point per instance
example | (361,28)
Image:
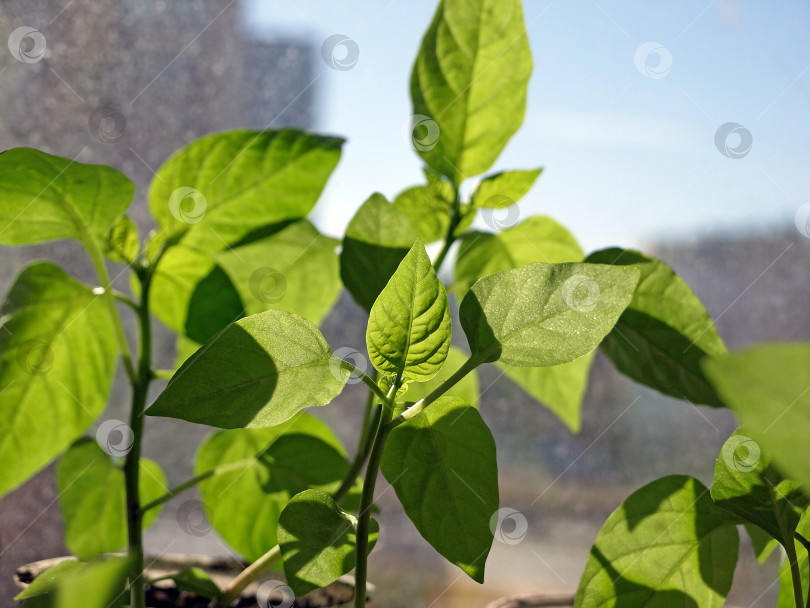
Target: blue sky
(628,159)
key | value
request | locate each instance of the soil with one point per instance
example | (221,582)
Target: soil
(157,597)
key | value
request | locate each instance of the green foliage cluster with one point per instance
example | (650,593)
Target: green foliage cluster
(244,279)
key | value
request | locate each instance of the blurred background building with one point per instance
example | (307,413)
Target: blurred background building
(631,159)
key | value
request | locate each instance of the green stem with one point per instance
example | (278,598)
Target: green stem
(249,574)
(368,381)
(450,237)
(190,483)
(366,503)
(140,392)
(795,575)
(109,298)
(469,365)
(806,544)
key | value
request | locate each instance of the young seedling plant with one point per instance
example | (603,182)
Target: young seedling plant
(239,274)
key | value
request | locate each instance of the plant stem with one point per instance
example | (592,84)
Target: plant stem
(190,483)
(140,390)
(795,575)
(109,298)
(469,365)
(450,237)
(806,544)
(368,381)
(249,574)
(367,502)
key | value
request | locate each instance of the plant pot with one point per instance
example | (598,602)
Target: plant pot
(164,594)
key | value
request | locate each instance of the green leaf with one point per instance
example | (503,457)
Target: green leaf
(243,505)
(560,388)
(193,296)
(97,584)
(121,242)
(221,187)
(544,314)
(504,189)
(767,387)
(47,581)
(57,358)
(427,209)
(537,239)
(266,367)
(376,240)
(442,465)
(295,270)
(667,545)
(408,332)
(762,543)
(746,485)
(93,498)
(317,540)
(197,581)
(468,85)
(661,338)
(465,389)
(47,198)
